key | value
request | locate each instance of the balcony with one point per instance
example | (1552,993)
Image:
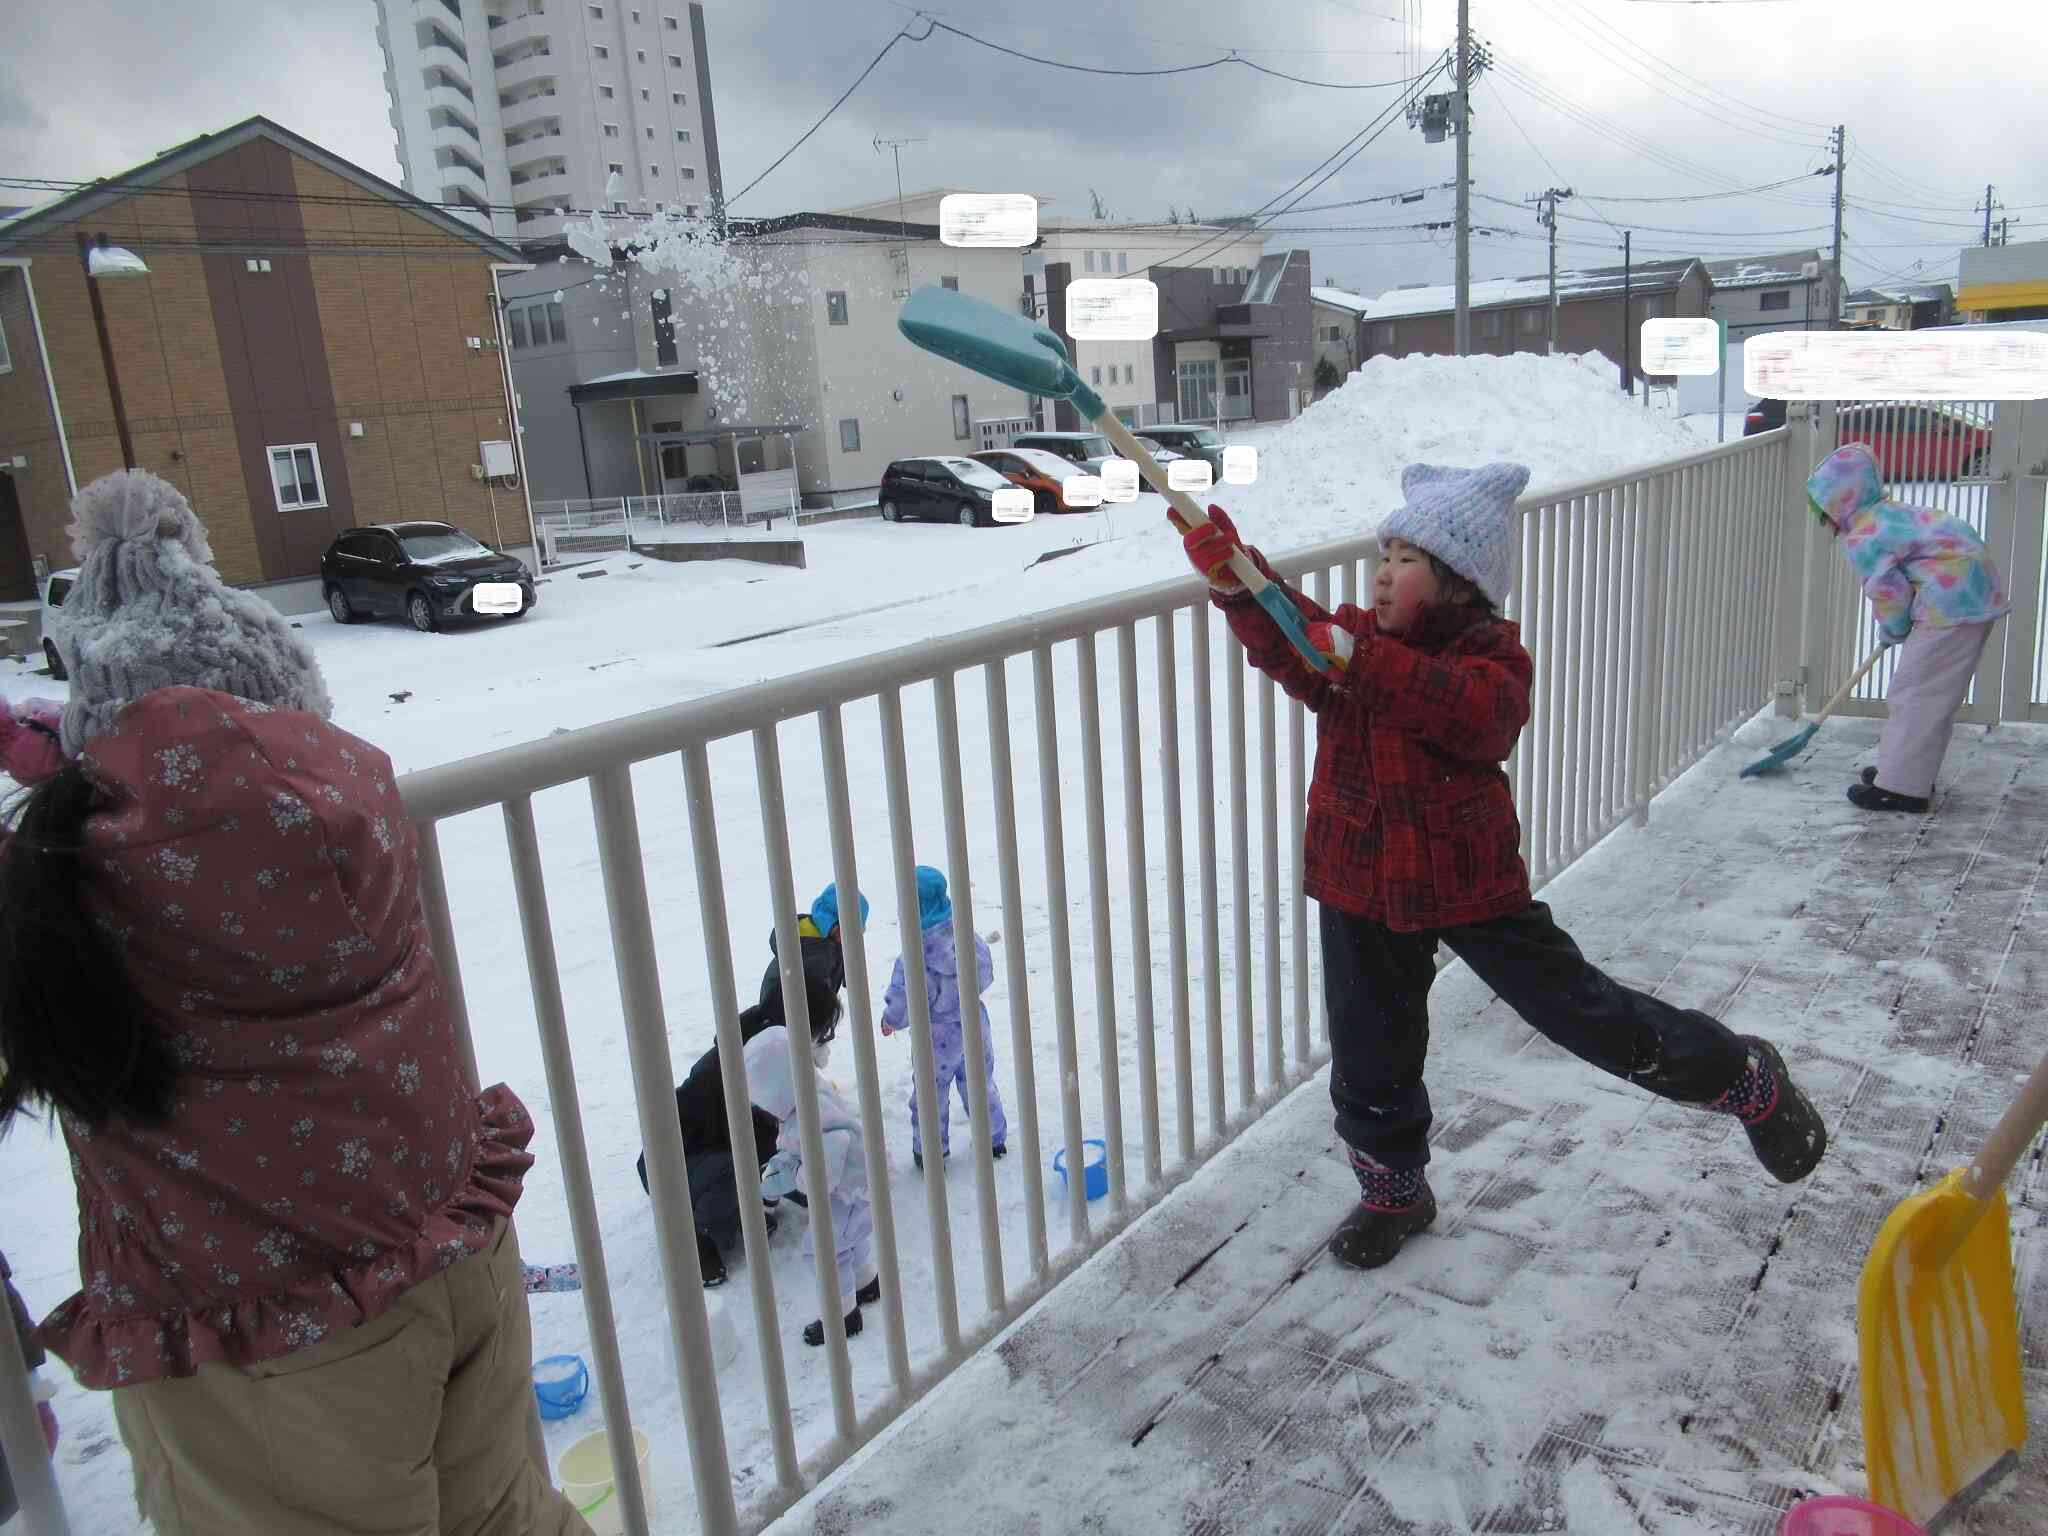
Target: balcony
(451,101)
(542,106)
(541,186)
(456,146)
(508,30)
(527,71)
(537,156)
(458,180)
(439,56)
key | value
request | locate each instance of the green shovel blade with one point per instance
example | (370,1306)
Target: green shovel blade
(1011,349)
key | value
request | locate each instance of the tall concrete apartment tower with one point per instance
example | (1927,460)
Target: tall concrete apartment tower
(520,110)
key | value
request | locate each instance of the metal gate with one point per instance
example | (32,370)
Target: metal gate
(1978,460)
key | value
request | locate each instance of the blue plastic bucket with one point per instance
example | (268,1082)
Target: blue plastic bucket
(560,1383)
(1095,1167)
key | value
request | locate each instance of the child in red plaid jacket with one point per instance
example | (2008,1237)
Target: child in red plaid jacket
(1412,840)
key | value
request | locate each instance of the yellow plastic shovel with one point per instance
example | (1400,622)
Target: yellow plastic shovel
(1943,1413)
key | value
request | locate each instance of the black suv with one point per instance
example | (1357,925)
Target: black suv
(1194,442)
(1765,415)
(952,489)
(425,572)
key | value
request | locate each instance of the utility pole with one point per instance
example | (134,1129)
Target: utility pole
(1546,216)
(2002,226)
(1462,324)
(1841,144)
(1628,332)
(1987,212)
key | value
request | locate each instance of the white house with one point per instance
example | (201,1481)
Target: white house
(1337,317)
(1755,295)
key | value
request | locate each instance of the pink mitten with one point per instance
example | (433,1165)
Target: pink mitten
(29,747)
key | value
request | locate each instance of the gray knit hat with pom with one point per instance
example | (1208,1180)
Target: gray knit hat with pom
(1465,517)
(149,612)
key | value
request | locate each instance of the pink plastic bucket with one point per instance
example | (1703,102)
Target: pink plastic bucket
(1837,1514)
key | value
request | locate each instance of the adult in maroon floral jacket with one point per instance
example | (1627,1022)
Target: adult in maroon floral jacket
(298,1273)
(1412,839)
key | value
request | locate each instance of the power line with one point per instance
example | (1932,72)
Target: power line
(1557,176)
(1532,86)
(1806,124)
(1232,57)
(901,36)
(983,19)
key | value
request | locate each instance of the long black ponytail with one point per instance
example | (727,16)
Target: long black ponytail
(73,1032)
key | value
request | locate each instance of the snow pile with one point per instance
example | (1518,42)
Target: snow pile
(1336,470)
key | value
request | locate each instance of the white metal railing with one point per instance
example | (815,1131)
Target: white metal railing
(643,520)
(1633,594)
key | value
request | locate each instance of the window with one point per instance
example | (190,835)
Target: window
(600,50)
(516,321)
(664,329)
(687,172)
(1095,374)
(6,357)
(1123,261)
(682,135)
(645,94)
(654,172)
(1777,298)
(1383,334)
(835,307)
(1128,375)
(950,282)
(611,130)
(962,428)
(671,23)
(1531,322)
(1090,259)
(639,55)
(597,13)
(849,435)
(650,131)
(636,18)
(604,93)
(295,476)
(1489,324)
(615,168)
(675,61)
(1215,275)
(677,98)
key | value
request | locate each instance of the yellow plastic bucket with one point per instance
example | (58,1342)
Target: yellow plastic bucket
(586,1478)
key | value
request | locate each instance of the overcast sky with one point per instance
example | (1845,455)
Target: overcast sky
(1616,98)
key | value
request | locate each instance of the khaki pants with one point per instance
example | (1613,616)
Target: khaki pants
(413,1424)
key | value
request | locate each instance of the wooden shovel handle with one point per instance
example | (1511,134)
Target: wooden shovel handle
(2010,1138)
(1843,692)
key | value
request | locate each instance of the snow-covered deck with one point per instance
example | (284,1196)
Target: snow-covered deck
(1619,1323)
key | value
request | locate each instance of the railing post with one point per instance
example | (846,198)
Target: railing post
(1646,701)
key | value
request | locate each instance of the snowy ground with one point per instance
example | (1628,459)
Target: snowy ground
(647,634)
(1619,1325)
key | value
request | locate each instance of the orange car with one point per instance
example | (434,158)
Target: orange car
(1040,472)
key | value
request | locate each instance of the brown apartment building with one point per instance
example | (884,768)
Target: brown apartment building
(311,348)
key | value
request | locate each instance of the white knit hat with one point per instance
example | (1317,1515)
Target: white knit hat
(1465,517)
(148,611)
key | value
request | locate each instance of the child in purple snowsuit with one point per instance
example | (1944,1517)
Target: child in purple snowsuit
(949,1046)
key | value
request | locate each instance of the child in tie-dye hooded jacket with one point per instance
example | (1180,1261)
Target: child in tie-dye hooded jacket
(1935,593)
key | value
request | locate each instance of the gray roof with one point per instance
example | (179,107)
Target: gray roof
(90,199)
(1760,271)
(1902,293)
(1499,292)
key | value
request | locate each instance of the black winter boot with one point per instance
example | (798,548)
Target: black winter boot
(870,1293)
(1871,798)
(814,1331)
(1785,1131)
(710,1261)
(1393,1205)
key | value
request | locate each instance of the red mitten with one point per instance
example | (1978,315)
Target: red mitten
(1333,641)
(1211,546)
(29,747)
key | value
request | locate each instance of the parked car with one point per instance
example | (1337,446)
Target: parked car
(1090,450)
(55,586)
(1764,416)
(1044,474)
(948,488)
(1918,439)
(1161,454)
(428,573)
(1193,442)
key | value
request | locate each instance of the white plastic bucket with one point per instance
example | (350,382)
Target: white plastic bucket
(585,1475)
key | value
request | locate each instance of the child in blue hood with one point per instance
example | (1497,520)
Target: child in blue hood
(1936,595)
(942,990)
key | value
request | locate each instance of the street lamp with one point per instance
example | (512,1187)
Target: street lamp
(103,260)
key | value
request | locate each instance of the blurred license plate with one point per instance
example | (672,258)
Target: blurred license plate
(496,597)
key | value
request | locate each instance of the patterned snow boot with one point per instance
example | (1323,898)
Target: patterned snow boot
(1393,1204)
(1785,1131)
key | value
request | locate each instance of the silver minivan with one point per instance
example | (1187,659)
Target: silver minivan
(55,587)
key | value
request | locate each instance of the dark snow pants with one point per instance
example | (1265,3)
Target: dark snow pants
(1376,983)
(714,1194)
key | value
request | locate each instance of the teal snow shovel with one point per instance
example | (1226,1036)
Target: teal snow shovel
(1794,744)
(1019,352)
